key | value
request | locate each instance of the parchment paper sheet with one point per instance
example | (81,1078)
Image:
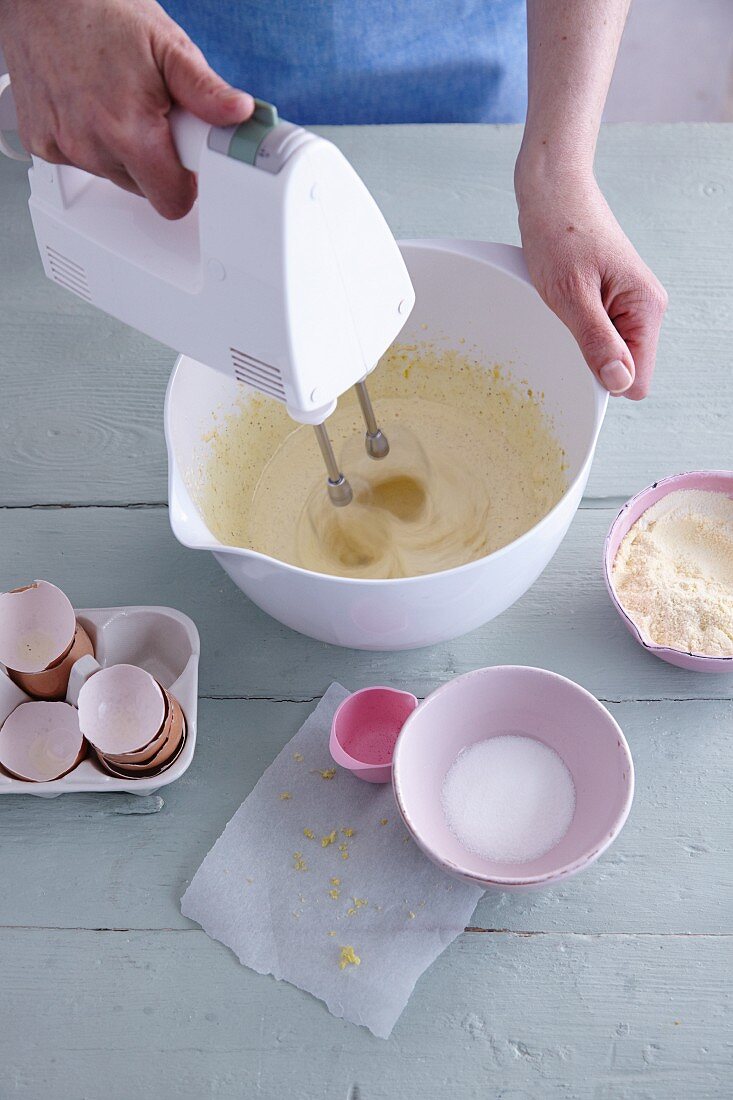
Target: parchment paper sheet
(269,892)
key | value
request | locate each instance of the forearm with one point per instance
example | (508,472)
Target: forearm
(580,261)
(572,47)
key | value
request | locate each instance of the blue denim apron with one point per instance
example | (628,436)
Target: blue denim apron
(357,61)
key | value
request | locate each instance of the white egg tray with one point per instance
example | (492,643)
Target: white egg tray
(166,644)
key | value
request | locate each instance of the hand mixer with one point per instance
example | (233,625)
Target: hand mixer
(284,274)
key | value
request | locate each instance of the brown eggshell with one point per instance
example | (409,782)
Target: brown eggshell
(14,775)
(143,771)
(122,708)
(153,747)
(164,754)
(40,741)
(51,684)
(37,624)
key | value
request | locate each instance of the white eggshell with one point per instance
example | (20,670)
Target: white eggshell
(40,741)
(37,626)
(121,709)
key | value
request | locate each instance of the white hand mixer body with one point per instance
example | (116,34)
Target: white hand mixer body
(284,274)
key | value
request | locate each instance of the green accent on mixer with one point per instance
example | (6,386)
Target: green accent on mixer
(249,135)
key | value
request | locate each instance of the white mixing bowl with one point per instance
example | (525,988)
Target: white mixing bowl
(471,293)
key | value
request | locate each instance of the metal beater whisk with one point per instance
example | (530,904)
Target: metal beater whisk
(377,446)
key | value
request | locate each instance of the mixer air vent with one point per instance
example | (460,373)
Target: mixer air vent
(261,376)
(68,274)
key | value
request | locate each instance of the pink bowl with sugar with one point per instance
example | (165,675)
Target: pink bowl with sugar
(365,728)
(520,700)
(711,481)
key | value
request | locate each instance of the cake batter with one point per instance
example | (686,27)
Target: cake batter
(473,465)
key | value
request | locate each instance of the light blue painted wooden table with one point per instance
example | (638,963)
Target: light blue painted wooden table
(615,985)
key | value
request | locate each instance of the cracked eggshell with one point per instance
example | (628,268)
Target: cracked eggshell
(121,709)
(37,624)
(54,681)
(168,744)
(147,752)
(146,771)
(41,741)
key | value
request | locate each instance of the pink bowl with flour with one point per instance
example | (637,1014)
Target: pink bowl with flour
(711,481)
(520,700)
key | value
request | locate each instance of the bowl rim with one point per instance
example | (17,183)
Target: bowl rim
(547,877)
(504,257)
(653,647)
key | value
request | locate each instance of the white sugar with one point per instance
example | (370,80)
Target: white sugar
(509,798)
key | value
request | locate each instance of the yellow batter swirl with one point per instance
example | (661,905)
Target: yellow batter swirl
(473,464)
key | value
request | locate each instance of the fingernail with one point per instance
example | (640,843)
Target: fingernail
(232,97)
(616,377)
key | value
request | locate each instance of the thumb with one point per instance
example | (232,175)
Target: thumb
(603,348)
(195,86)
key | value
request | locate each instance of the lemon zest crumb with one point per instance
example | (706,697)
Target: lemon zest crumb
(328,773)
(335,881)
(335,894)
(348,832)
(309,834)
(298,756)
(348,957)
(383,821)
(299,863)
(285,796)
(329,839)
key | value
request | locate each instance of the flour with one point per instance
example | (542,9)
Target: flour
(673,573)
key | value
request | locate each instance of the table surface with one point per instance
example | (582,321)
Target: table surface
(614,985)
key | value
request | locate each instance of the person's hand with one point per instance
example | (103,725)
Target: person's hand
(590,275)
(93,82)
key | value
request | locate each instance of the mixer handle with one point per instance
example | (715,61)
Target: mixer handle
(247,142)
(190,134)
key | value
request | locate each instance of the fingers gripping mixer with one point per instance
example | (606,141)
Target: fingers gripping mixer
(284,274)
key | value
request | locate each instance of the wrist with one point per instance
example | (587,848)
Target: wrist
(545,167)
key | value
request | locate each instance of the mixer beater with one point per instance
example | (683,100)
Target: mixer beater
(377,446)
